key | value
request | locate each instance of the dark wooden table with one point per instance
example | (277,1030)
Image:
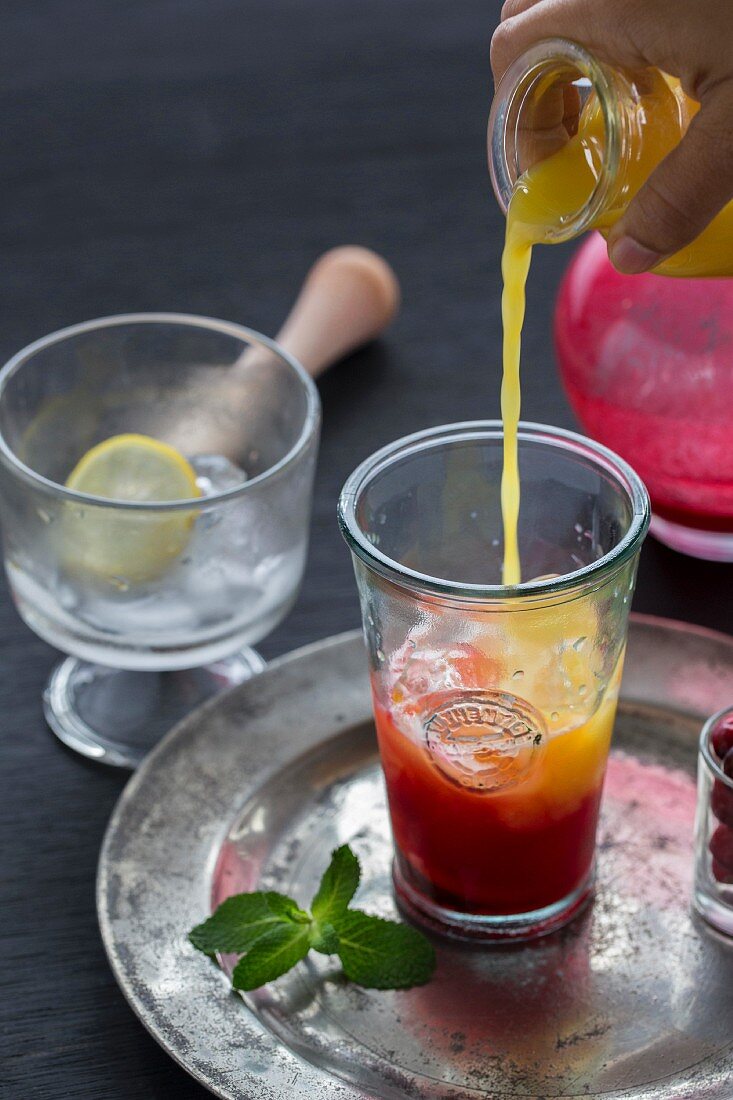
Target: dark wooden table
(197,156)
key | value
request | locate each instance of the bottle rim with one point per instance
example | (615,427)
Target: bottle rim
(553,54)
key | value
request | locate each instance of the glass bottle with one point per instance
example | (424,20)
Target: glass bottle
(588,136)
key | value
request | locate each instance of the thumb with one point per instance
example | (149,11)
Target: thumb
(683,194)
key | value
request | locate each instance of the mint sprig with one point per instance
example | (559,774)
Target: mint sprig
(272,934)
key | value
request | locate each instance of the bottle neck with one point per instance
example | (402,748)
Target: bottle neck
(538,106)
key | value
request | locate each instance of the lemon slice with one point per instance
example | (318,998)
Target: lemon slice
(134,467)
(121,546)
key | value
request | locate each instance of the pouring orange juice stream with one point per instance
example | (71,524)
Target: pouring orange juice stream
(545,197)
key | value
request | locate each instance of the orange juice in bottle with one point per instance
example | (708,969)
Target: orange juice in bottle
(571,141)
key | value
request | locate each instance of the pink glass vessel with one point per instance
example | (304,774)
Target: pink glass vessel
(647,363)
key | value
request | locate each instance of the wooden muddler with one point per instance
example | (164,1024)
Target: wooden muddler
(348,298)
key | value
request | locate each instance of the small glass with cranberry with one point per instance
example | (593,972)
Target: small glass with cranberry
(714,825)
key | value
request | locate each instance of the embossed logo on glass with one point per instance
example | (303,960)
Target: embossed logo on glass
(485,740)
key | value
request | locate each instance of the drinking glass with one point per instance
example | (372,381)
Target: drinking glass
(713,896)
(494,705)
(157,602)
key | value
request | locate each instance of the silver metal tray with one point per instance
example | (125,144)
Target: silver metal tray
(633,1000)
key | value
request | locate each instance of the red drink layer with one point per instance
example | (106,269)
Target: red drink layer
(504,849)
(481,853)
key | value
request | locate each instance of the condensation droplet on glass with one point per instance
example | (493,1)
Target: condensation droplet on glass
(494,542)
(518,674)
(380,654)
(474,515)
(382,519)
(211,518)
(67,597)
(555,716)
(582,689)
(44,516)
(579,643)
(579,528)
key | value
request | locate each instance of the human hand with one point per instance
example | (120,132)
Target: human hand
(690,40)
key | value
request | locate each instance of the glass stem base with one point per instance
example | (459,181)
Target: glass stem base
(474,927)
(116,716)
(709,545)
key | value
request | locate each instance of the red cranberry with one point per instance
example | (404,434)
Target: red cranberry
(722,737)
(721,873)
(721,845)
(721,802)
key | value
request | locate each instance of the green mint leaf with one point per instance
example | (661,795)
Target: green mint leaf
(242,919)
(272,955)
(324,938)
(271,934)
(338,885)
(381,954)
